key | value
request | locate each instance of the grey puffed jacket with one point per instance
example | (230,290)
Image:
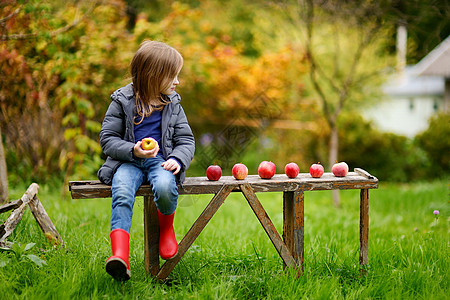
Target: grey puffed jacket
(117,134)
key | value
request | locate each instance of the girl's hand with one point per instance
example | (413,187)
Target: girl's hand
(171,165)
(141,153)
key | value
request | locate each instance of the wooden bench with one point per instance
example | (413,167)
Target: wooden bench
(290,247)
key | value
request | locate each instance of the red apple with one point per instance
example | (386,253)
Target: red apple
(148,143)
(316,170)
(240,171)
(291,170)
(340,169)
(214,172)
(266,169)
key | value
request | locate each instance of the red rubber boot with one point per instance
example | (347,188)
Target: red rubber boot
(168,246)
(117,265)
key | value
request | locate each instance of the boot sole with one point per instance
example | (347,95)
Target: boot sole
(117,268)
(167,258)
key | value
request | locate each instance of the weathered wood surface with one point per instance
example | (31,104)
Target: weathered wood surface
(364,228)
(10,205)
(31,199)
(288,221)
(15,217)
(293,225)
(359,179)
(364,173)
(268,226)
(46,225)
(151,236)
(299,225)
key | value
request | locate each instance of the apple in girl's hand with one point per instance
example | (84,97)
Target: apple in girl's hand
(240,171)
(340,169)
(148,143)
(291,170)
(316,170)
(214,172)
(266,169)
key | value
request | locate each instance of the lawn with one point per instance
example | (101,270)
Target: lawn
(233,257)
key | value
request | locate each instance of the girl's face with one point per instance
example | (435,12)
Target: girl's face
(171,87)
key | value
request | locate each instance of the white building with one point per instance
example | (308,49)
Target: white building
(415,94)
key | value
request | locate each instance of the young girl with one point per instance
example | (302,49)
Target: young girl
(147,107)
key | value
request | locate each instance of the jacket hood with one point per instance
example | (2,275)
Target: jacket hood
(126,93)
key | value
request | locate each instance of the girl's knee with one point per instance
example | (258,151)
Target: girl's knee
(122,193)
(166,194)
(165,182)
(165,189)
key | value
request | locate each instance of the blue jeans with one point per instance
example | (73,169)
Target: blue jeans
(127,180)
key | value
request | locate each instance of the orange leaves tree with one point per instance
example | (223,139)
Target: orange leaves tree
(58,65)
(234,90)
(61,61)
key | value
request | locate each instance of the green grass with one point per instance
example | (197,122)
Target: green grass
(233,257)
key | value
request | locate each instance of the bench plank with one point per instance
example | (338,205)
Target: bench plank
(279,183)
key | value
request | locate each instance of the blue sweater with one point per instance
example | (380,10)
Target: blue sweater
(149,127)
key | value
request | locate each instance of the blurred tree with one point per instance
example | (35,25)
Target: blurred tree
(346,43)
(15,9)
(232,79)
(344,49)
(427,23)
(58,62)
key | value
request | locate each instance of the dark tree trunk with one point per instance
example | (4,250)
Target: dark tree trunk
(3,173)
(333,157)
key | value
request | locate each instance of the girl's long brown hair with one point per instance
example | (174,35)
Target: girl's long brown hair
(153,68)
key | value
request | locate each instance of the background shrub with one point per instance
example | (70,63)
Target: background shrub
(435,142)
(385,155)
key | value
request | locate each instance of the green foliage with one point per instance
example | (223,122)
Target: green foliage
(435,142)
(19,255)
(427,25)
(387,156)
(55,84)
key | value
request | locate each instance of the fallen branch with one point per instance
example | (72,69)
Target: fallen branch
(31,200)
(11,205)
(44,221)
(16,215)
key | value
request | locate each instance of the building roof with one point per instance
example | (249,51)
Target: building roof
(409,84)
(437,62)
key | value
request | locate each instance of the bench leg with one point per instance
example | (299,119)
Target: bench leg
(195,230)
(364,229)
(293,225)
(151,236)
(268,226)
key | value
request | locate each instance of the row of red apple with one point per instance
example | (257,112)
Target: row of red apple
(267,169)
